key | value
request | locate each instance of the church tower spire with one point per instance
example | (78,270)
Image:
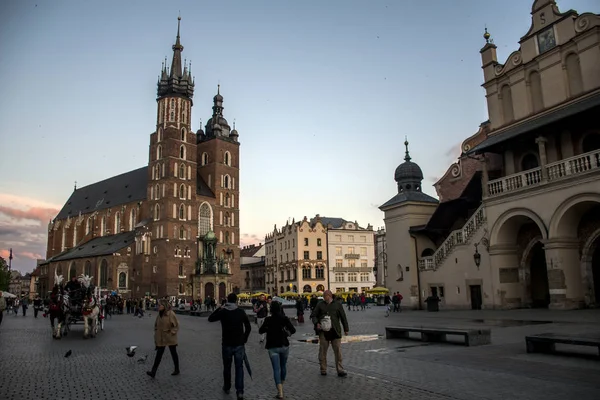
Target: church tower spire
(174,81)
(177,49)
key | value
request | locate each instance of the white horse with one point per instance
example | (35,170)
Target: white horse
(90,309)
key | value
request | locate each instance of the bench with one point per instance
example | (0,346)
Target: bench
(546,342)
(473,337)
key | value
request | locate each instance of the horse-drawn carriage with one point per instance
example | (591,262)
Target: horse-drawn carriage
(70,305)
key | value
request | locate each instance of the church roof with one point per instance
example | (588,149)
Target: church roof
(120,189)
(100,246)
(409,195)
(111,192)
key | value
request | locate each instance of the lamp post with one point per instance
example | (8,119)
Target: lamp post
(477,256)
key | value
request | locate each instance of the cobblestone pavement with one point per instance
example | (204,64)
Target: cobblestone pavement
(33,365)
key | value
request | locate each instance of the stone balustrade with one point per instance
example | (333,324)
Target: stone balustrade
(457,237)
(562,169)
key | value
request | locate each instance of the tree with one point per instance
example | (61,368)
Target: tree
(4,275)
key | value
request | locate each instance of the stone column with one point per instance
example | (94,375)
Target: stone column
(564,273)
(541,142)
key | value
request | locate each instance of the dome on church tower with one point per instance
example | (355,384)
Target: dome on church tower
(408,175)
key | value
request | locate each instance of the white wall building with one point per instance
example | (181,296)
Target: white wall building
(351,256)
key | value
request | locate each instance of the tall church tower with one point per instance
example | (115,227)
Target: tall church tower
(218,153)
(172,173)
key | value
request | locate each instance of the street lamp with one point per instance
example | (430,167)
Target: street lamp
(477,256)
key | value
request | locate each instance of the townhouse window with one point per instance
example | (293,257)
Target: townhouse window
(306,255)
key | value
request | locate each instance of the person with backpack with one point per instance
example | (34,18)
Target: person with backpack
(278,328)
(329,318)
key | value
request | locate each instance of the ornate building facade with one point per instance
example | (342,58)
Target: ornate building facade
(296,257)
(519,220)
(170,228)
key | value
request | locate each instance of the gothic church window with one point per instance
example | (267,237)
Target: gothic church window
(103,226)
(182,171)
(132,219)
(227,158)
(157,212)
(182,212)
(117,223)
(227,200)
(103,273)
(88,268)
(88,226)
(182,232)
(182,192)
(182,152)
(157,192)
(226,237)
(72,270)
(159,134)
(159,152)
(226,181)
(204,158)
(183,135)
(181,270)
(204,219)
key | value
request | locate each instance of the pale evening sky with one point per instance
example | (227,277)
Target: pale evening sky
(323,93)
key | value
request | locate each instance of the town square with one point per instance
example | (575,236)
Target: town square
(356,199)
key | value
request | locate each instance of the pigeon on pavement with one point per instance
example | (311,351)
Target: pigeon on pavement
(68,353)
(131,351)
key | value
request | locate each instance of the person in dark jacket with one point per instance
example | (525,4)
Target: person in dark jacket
(277,327)
(236,328)
(333,311)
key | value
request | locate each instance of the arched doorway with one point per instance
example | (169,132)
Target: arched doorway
(222,290)
(539,288)
(307,289)
(320,288)
(521,263)
(209,290)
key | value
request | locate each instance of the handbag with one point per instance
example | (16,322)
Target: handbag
(326,323)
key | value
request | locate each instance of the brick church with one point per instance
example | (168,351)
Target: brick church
(169,228)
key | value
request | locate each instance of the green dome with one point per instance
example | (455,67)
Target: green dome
(210,236)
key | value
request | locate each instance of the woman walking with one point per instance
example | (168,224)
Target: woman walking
(278,327)
(165,334)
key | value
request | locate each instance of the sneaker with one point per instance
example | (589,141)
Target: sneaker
(342,374)
(150,374)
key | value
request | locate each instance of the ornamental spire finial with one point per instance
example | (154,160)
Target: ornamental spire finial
(407,155)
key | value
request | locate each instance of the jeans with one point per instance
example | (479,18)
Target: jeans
(279,356)
(237,353)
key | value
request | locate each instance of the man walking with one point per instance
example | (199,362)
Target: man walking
(235,328)
(329,318)
(262,311)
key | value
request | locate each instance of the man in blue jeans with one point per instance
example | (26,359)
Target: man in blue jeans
(235,331)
